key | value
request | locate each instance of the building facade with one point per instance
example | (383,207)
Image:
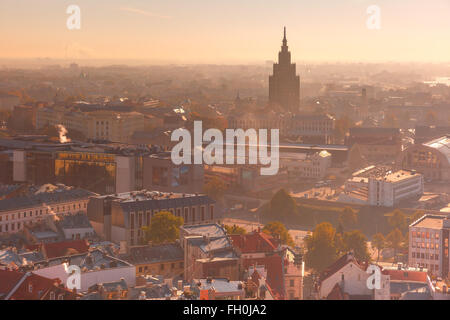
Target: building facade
(429,244)
(120,217)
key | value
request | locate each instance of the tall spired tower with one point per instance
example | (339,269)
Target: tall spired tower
(284,84)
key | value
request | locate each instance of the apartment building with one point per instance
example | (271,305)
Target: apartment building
(36,203)
(428,244)
(387,189)
(121,216)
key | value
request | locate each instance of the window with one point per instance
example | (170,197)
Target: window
(193,214)
(149,217)
(52,295)
(211,212)
(202,212)
(161,267)
(132,220)
(30,287)
(60,297)
(186,214)
(291,283)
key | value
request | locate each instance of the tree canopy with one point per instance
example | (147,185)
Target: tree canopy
(282,205)
(164,228)
(321,247)
(378,242)
(234,229)
(277,230)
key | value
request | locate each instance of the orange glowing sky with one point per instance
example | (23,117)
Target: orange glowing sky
(232,31)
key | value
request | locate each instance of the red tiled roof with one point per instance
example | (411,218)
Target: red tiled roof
(254,242)
(336,293)
(33,287)
(275,276)
(406,275)
(60,249)
(8,279)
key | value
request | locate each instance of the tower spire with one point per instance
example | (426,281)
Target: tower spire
(284,38)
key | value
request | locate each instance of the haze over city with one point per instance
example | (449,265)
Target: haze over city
(260,151)
(229,32)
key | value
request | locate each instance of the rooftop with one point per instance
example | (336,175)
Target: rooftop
(432,222)
(154,254)
(219,285)
(441,144)
(45,194)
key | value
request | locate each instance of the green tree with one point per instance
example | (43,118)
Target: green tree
(395,239)
(277,230)
(348,218)
(397,219)
(164,228)
(321,247)
(378,242)
(282,205)
(234,229)
(356,241)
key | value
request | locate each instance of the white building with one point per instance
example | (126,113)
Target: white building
(347,279)
(96,267)
(303,165)
(386,190)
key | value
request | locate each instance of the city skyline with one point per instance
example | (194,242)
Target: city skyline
(219,32)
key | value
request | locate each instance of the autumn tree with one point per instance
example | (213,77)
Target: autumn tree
(215,188)
(378,242)
(395,239)
(397,219)
(415,216)
(164,228)
(277,230)
(234,229)
(321,247)
(356,241)
(282,205)
(348,218)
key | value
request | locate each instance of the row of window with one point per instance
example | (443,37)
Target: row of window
(10,227)
(427,235)
(187,216)
(428,256)
(39,212)
(423,245)
(161,267)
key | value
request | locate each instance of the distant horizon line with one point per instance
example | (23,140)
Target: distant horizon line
(153,62)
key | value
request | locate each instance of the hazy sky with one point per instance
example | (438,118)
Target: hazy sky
(226,31)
